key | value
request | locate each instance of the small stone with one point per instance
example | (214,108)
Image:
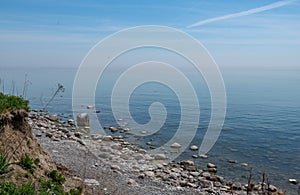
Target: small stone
(91,182)
(191,185)
(138,156)
(115,167)
(183,183)
(81,142)
(159,156)
(205,174)
(272,188)
(194,147)
(97,111)
(244,164)
(149,173)
(132,182)
(236,186)
(174,175)
(143,132)
(293,181)
(212,170)
(96,137)
(176,170)
(107,138)
(53,118)
(232,161)
(141,176)
(184,175)
(205,183)
(126,143)
(175,145)
(142,151)
(195,173)
(188,165)
(113,129)
(90,107)
(77,134)
(126,129)
(210,165)
(195,156)
(217,184)
(203,156)
(38,134)
(71,122)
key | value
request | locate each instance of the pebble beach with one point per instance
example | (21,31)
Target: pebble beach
(110,165)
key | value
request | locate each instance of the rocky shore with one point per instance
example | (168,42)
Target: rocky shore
(110,165)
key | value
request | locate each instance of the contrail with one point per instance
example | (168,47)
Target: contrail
(243,13)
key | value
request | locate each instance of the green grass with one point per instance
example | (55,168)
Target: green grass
(57,177)
(27,163)
(10,102)
(9,188)
(4,164)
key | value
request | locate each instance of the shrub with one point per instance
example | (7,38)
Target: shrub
(76,191)
(57,177)
(36,161)
(7,188)
(49,187)
(26,189)
(27,163)
(8,103)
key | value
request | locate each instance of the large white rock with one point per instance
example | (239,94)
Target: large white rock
(83,120)
(194,147)
(175,145)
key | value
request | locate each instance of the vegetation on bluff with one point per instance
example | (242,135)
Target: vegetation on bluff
(11,102)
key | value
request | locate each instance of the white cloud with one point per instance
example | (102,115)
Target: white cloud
(243,13)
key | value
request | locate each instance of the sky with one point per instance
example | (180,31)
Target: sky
(59,33)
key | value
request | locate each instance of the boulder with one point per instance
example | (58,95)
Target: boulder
(107,138)
(113,129)
(71,122)
(194,147)
(293,181)
(175,145)
(83,120)
(210,165)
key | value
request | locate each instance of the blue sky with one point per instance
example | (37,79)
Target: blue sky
(60,33)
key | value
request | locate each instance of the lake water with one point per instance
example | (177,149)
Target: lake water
(262,126)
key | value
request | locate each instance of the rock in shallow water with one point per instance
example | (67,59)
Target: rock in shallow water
(194,147)
(293,181)
(107,138)
(175,145)
(203,156)
(210,165)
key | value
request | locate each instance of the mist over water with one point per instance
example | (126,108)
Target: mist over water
(262,126)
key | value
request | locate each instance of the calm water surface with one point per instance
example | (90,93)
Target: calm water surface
(262,126)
